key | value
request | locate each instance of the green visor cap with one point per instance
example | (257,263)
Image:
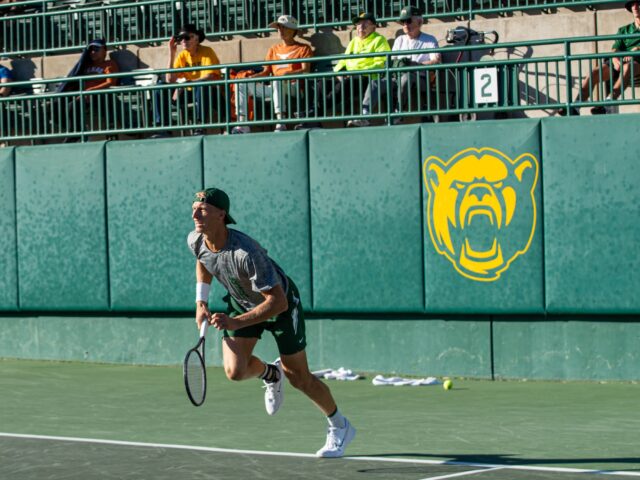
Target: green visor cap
(364,16)
(217,198)
(407,12)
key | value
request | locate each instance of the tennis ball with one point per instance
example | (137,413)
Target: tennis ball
(447,385)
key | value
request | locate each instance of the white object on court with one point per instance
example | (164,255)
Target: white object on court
(380,380)
(339,374)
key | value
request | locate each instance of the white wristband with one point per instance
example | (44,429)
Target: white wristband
(202,292)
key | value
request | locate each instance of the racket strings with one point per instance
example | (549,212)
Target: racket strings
(195,376)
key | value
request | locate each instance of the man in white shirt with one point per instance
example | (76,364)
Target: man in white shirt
(413,39)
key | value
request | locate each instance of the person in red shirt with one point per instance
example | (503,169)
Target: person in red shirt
(281,90)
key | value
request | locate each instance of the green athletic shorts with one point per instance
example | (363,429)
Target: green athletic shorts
(287,328)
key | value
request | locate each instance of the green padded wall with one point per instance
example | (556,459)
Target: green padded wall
(452,347)
(265,176)
(567,348)
(62,244)
(103,339)
(365,220)
(8,258)
(592,193)
(456,346)
(150,187)
(483,217)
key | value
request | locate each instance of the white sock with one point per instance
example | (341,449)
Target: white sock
(337,420)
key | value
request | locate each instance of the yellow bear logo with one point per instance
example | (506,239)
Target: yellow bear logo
(481,209)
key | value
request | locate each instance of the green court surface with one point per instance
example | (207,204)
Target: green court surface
(85,421)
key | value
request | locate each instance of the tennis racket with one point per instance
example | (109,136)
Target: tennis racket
(193,370)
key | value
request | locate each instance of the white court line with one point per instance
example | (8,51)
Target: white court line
(309,455)
(461,474)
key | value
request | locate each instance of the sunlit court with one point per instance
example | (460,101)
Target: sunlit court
(313,239)
(74,420)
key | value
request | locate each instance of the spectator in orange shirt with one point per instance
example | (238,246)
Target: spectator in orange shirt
(281,90)
(93,61)
(193,54)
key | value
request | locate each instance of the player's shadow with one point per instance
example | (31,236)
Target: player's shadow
(509,460)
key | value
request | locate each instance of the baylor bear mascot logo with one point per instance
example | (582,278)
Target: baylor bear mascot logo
(481,209)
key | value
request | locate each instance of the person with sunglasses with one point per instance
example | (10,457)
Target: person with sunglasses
(193,54)
(93,61)
(341,90)
(413,38)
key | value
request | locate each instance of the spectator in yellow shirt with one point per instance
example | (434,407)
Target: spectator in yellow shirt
(193,54)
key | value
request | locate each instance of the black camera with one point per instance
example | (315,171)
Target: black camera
(181,36)
(401,62)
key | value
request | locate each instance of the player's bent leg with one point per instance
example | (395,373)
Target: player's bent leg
(296,369)
(340,432)
(239,361)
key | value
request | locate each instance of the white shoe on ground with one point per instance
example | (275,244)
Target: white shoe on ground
(280,127)
(358,123)
(240,129)
(337,441)
(274,393)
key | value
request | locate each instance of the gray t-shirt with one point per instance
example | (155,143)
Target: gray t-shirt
(424,41)
(242,267)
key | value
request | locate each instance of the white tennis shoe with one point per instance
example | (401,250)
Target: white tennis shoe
(337,441)
(274,393)
(240,130)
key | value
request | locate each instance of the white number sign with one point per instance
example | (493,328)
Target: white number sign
(486,85)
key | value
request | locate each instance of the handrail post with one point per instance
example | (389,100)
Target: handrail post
(44,20)
(388,87)
(81,113)
(227,100)
(569,81)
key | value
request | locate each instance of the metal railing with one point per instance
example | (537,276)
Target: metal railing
(443,92)
(45,27)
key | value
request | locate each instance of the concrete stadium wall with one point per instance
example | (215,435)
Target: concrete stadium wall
(484,249)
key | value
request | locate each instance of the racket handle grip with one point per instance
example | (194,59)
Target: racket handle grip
(203,328)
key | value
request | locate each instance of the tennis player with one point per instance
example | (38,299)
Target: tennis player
(260,297)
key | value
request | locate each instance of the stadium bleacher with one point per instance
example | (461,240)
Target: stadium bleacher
(537,74)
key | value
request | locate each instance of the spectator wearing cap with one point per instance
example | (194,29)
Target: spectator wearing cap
(413,38)
(5,77)
(367,40)
(193,54)
(92,61)
(281,90)
(619,69)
